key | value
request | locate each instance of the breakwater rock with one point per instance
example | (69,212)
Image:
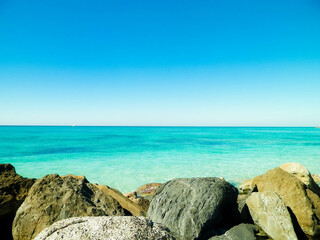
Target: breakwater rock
(302,201)
(268,211)
(53,198)
(115,227)
(191,206)
(13,191)
(240,232)
(283,203)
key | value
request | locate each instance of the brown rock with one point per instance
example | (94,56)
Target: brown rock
(270,213)
(245,187)
(241,197)
(79,177)
(125,202)
(315,201)
(13,191)
(53,198)
(316,178)
(303,174)
(130,195)
(294,193)
(148,190)
(142,202)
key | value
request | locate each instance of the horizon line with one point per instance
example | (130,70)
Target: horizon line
(75,125)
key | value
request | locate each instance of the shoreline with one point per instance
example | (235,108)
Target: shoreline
(106,181)
(64,191)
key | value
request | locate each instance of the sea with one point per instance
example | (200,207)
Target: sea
(128,157)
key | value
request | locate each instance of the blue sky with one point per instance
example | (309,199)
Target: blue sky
(247,63)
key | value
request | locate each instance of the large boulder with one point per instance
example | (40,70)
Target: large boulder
(302,201)
(191,206)
(270,213)
(303,174)
(239,232)
(13,190)
(103,228)
(53,198)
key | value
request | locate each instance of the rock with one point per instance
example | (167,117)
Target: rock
(296,196)
(126,203)
(13,190)
(79,177)
(245,187)
(303,174)
(270,213)
(298,170)
(103,228)
(142,202)
(316,178)
(191,206)
(241,197)
(148,190)
(53,198)
(314,198)
(130,194)
(243,209)
(239,232)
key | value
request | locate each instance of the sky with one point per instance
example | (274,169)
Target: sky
(155,63)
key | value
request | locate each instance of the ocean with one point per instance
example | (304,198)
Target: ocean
(127,157)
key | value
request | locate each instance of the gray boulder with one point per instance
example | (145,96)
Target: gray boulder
(239,232)
(103,228)
(53,198)
(191,206)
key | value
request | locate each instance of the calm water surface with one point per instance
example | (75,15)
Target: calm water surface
(127,157)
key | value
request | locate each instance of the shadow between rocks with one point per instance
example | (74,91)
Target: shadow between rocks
(300,234)
(6,226)
(231,218)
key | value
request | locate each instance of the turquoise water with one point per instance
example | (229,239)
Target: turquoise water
(127,157)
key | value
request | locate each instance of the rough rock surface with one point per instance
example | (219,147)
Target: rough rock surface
(142,202)
(191,206)
(125,202)
(296,196)
(316,178)
(53,198)
(270,213)
(243,209)
(239,232)
(103,228)
(303,174)
(148,190)
(245,187)
(13,190)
